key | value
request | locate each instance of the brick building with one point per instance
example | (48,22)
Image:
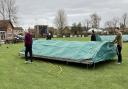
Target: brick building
(6,30)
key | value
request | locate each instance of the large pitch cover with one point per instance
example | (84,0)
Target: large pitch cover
(73,51)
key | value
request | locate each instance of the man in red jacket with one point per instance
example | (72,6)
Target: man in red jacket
(28,47)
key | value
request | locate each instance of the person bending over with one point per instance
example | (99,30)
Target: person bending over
(118,41)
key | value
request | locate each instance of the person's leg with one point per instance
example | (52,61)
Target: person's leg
(50,37)
(26,53)
(119,54)
(30,53)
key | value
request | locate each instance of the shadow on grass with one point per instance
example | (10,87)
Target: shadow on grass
(97,66)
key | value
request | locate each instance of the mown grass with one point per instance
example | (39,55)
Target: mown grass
(15,74)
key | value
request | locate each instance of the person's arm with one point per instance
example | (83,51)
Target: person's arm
(91,37)
(116,38)
(24,39)
(31,39)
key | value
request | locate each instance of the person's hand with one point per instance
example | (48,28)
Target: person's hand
(113,42)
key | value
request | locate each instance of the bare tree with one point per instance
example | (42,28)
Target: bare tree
(86,24)
(112,24)
(74,29)
(60,21)
(79,28)
(109,24)
(3,8)
(124,21)
(8,10)
(115,22)
(95,20)
(109,27)
(11,10)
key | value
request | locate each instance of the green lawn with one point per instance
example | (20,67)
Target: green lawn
(14,74)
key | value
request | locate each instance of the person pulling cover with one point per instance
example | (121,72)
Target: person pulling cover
(118,41)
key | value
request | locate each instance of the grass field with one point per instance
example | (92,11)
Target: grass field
(15,74)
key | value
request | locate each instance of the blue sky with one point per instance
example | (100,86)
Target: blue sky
(31,12)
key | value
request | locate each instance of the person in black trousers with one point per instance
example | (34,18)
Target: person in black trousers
(49,36)
(93,36)
(28,47)
(118,41)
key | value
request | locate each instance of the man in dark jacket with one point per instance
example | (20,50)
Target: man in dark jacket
(28,47)
(93,36)
(48,36)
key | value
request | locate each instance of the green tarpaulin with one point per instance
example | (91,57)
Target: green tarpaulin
(73,51)
(110,38)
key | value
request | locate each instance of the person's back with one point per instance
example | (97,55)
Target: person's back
(93,36)
(48,36)
(28,39)
(28,47)
(118,39)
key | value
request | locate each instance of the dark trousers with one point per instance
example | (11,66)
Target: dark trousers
(28,50)
(119,48)
(48,37)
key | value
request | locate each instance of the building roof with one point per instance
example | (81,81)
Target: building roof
(2,29)
(5,23)
(31,29)
(18,28)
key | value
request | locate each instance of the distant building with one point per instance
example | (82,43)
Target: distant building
(6,30)
(52,30)
(41,30)
(18,31)
(33,31)
(67,31)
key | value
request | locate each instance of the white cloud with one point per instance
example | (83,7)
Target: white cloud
(33,12)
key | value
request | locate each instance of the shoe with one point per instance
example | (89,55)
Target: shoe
(119,63)
(30,62)
(26,62)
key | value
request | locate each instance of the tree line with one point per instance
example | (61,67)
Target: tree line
(8,11)
(60,22)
